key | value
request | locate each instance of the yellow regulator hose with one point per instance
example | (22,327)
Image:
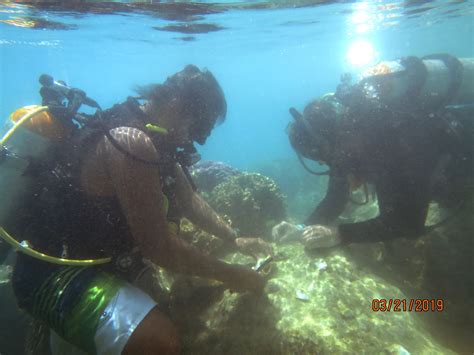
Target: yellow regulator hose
(22,120)
(24,247)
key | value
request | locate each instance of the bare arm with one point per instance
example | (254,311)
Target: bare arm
(198,211)
(110,172)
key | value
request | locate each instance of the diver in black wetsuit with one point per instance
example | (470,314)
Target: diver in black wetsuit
(411,152)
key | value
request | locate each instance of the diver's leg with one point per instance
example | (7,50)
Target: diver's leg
(132,324)
(154,335)
(125,319)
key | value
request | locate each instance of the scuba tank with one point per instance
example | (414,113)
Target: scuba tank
(429,82)
(31,131)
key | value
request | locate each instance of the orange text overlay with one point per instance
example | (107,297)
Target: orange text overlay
(407,305)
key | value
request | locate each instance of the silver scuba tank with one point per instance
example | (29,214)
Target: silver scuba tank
(429,82)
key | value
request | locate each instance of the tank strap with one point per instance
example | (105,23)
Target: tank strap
(418,73)
(456,69)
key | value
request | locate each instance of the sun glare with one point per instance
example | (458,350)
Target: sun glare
(361,53)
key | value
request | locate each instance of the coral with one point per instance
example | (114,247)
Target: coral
(208,174)
(253,202)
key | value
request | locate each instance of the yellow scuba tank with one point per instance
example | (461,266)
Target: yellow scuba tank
(431,81)
(41,122)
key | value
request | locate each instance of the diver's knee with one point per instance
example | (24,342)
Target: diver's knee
(156,334)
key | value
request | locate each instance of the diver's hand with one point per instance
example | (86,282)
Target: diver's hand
(240,279)
(319,236)
(254,247)
(285,232)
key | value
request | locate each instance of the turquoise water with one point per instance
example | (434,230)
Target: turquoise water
(266,60)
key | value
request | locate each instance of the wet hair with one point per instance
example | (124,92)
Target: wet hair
(314,134)
(199,94)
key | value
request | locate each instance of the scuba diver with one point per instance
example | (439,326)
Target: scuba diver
(107,194)
(407,129)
